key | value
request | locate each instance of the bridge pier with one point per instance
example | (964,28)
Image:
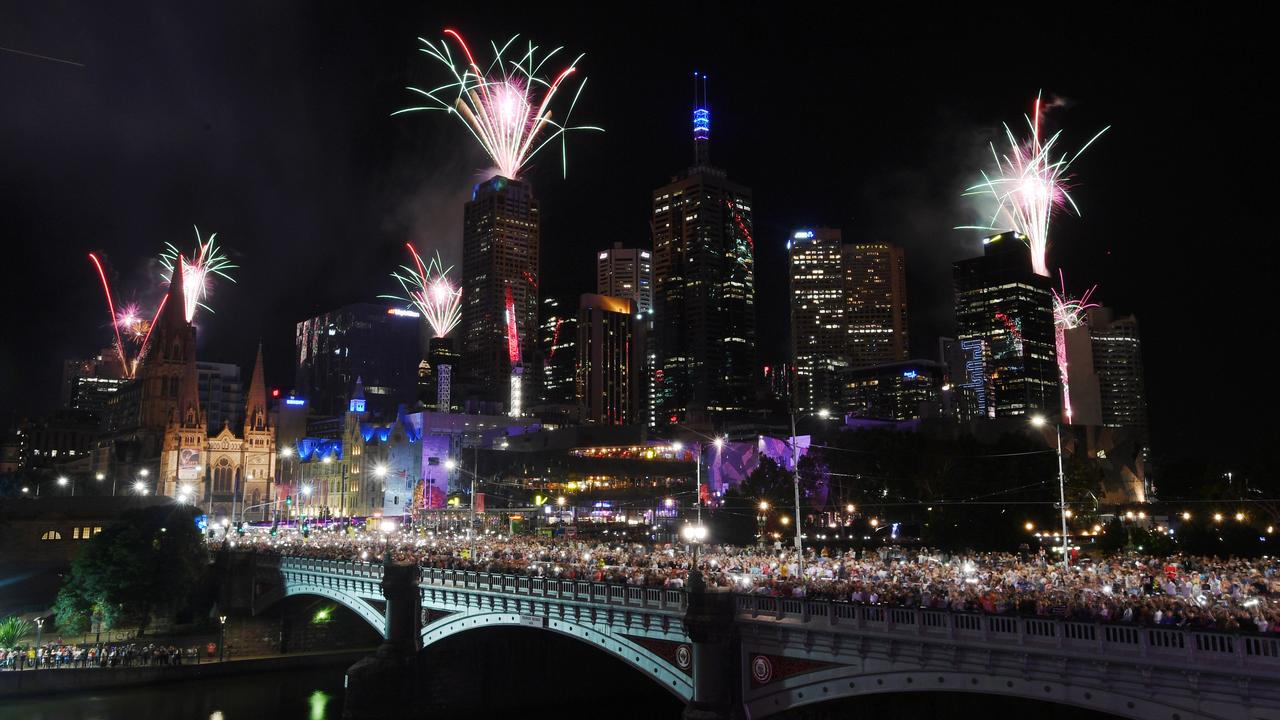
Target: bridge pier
(382,685)
(709,622)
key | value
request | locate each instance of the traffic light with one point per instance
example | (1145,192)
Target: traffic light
(288,500)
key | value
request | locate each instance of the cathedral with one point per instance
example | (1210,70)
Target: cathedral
(158,426)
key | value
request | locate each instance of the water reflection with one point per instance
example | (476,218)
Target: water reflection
(319,701)
(312,694)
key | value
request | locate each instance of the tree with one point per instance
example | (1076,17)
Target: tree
(143,565)
(13,629)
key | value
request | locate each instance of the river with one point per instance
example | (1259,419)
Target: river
(311,694)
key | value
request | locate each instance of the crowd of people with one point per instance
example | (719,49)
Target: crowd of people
(1184,591)
(52,656)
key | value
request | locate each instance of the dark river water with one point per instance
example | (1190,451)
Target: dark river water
(313,694)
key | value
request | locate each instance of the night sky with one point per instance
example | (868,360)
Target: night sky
(270,124)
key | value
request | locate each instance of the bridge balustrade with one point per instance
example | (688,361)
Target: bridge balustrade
(1186,644)
(577,590)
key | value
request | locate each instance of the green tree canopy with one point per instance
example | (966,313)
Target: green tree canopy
(147,562)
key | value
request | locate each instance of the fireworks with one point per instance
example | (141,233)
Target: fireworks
(507,106)
(196,273)
(132,330)
(430,291)
(1028,185)
(1068,314)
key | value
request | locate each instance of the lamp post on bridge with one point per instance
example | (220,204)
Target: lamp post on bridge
(1040,421)
(222,638)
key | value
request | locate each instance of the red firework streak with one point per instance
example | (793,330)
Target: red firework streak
(513,341)
(125,366)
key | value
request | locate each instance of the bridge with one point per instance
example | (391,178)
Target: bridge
(747,656)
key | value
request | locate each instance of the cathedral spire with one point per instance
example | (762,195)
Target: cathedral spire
(187,410)
(175,303)
(255,408)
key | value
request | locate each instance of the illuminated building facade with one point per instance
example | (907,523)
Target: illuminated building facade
(908,390)
(500,246)
(848,310)
(818,326)
(381,345)
(88,385)
(557,360)
(704,338)
(875,287)
(221,394)
(1009,309)
(626,273)
(610,366)
(1117,363)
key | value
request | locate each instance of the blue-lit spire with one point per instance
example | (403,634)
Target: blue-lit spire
(701,120)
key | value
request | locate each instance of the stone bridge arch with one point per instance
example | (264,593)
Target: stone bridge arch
(827,686)
(666,662)
(371,614)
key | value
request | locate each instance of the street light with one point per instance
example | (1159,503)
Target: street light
(1039,421)
(762,518)
(694,535)
(140,487)
(222,642)
(62,482)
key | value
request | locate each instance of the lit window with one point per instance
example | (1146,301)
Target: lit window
(51,535)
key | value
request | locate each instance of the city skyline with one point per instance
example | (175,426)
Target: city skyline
(410,155)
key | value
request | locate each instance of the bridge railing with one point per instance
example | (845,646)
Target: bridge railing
(1173,644)
(559,589)
(371,571)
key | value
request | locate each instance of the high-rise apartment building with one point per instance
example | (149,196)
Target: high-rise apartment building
(380,345)
(704,339)
(500,245)
(610,365)
(1009,309)
(626,273)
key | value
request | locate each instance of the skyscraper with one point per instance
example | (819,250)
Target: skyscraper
(626,273)
(704,292)
(558,356)
(848,310)
(221,394)
(610,364)
(875,289)
(500,245)
(381,345)
(1117,363)
(1003,304)
(90,384)
(819,331)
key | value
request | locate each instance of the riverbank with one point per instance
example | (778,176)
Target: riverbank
(23,683)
